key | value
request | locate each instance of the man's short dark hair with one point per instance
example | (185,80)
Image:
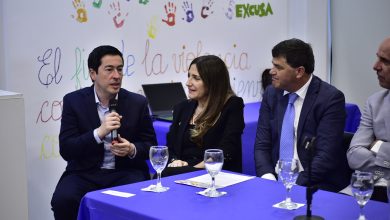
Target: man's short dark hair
(296,52)
(95,57)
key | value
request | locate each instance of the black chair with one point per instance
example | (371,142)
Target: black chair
(347,138)
(346,171)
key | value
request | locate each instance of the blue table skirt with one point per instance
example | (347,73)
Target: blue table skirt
(252,199)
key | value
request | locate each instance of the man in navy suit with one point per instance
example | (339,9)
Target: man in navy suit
(319,113)
(94,160)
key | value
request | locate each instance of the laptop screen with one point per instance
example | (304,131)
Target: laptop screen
(163,96)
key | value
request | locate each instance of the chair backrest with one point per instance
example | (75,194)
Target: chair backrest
(347,138)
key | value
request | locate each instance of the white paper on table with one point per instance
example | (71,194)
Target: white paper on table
(117,193)
(221,180)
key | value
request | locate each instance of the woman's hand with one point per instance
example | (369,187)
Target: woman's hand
(178,163)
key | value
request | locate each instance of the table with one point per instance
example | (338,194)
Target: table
(251,115)
(252,199)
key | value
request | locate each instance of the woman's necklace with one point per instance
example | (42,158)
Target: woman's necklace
(196,114)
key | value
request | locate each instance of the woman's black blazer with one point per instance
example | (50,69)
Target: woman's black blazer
(225,134)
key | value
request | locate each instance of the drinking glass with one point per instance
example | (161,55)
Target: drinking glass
(388,191)
(158,156)
(213,160)
(288,172)
(362,184)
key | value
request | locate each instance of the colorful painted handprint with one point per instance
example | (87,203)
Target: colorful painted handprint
(230,11)
(81,12)
(187,7)
(152,28)
(97,3)
(115,10)
(206,9)
(170,10)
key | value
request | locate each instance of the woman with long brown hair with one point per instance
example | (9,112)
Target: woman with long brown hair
(211,118)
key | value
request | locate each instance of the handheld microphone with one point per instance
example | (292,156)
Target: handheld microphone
(113,105)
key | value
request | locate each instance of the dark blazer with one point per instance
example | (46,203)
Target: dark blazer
(225,134)
(80,117)
(322,116)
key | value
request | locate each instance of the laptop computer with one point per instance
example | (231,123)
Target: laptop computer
(162,97)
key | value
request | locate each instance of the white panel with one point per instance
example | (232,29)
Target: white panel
(358,27)
(308,21)
(3,84)
(13,190)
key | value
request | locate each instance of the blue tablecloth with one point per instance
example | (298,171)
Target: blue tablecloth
(251,115)
(252,199)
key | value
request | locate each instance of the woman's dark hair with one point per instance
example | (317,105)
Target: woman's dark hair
(266,78)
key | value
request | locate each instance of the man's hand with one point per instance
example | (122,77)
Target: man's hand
(111,122)
(123,147)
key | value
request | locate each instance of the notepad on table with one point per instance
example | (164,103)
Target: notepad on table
(221,180)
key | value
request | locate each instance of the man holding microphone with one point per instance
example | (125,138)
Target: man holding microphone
(91,118)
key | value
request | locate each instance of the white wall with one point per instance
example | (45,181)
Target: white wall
(308,21)
(317,35)
(358,27)
(2,63)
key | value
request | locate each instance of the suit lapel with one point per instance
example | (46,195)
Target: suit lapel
(123,106)
(121,102)
(91,107)
(310,99)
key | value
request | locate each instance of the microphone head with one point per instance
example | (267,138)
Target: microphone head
(309,142)
(113,105)
(307,139)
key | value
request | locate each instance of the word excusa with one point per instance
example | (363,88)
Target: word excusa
(247,10)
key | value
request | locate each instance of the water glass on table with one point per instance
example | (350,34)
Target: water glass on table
(288,170)
(158,156)
(362,185)
(213,160)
